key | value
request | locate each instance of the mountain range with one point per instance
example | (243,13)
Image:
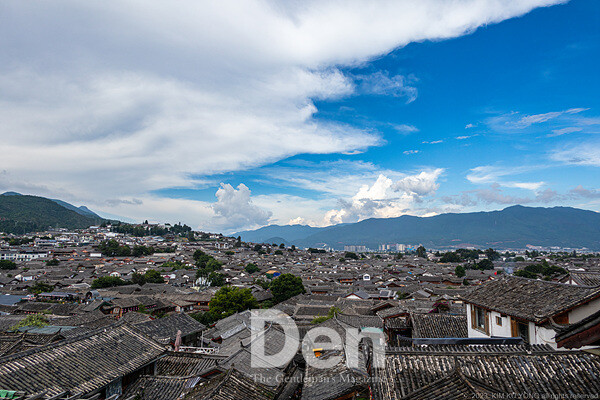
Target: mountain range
(23,213)
(511,228)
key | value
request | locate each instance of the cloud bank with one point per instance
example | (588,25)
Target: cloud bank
(102,102)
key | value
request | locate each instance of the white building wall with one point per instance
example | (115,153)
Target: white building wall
(583,311)
(541,335)
(475,333)
(497,330)
(537,334)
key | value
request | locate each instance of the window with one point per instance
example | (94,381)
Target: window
(499,321)
(523,328)
(479,319)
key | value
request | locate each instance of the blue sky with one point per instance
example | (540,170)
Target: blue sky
(302,112)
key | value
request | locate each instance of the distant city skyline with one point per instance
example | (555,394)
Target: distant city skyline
(229,116)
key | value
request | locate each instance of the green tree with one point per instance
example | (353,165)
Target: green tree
(204,318)
(112,248)
(229,300)
(492,254)
(263,283)
(53,262)
(282,246)
(153,276)
(421,252)
(216,279)
(6,265)
(251,268)
(139,251)
(40,287)
(214,265)
(484,264)
(138,279)
(285,286)
(450,257)
(350,255)
(107,281)
(460,271)
(333,311)
(35,320)
(525,274)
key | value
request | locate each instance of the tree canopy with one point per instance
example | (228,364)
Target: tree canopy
(107,281)
(6,264)
(229,300)
(285,286)
(251,268)
(112,248)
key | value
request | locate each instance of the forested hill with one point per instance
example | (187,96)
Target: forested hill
(22,214)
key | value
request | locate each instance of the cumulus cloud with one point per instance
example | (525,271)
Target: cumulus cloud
(580,191)
(385,198)
(409,152)
(423,184)
(234,209)
(137,95)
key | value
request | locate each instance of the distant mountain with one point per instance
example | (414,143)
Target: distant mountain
(82,210)
(288,233)
(23,214)
(513,227)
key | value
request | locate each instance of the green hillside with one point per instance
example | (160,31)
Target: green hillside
(22,214)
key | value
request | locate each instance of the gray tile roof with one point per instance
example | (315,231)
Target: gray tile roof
(511,371)
(232,385)
(530,299)
(439,326)
(83,364)
(164,330)
(160,387)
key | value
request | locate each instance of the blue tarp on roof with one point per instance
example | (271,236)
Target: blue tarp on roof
(10,299)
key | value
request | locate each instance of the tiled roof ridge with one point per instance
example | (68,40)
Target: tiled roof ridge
(480,350)
(78,338)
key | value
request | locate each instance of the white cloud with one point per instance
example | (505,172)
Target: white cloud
(564,131)
(385,198)
(487,174)
(409,152)
(380,83)
(580,191)
(137,95)
(469,126)
(405,129)
(235,210)
(494,194)
(581,153)
(421,184)
(516,122)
